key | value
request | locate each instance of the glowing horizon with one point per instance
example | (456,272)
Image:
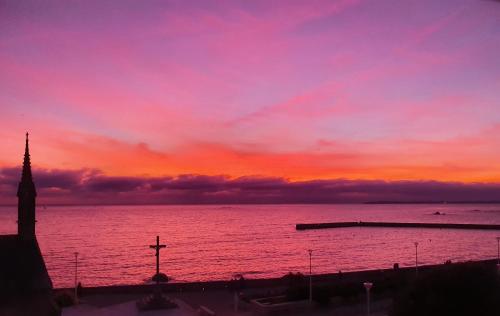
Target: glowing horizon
(297,90)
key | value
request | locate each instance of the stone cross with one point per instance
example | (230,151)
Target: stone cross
(157,247)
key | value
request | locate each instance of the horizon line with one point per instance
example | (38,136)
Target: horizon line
(277,203)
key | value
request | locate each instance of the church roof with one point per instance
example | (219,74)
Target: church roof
(25,285)
(22,269)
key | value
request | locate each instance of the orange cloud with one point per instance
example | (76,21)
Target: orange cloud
(467,159)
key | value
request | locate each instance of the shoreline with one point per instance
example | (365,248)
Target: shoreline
(378,276)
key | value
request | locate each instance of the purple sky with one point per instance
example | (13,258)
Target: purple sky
(299,91)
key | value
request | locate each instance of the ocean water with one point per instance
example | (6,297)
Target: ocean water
(215,242)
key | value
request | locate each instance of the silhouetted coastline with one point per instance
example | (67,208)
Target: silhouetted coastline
(357,277)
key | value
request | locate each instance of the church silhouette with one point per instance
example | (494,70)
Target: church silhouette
(25,285)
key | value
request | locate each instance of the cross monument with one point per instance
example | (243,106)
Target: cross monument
(157,300)
(157,247)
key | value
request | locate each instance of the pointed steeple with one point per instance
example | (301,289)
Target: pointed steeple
(26,176)
(26,193)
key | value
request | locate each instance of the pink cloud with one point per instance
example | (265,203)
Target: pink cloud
(311,89)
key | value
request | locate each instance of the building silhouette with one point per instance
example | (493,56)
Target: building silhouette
(25,285)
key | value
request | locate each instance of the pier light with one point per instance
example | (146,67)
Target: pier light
(368,286)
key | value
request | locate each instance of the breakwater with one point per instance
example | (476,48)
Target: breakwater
(397,225)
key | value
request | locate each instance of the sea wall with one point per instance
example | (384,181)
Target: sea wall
(397,225)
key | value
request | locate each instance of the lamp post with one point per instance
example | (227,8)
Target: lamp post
(498,255)
(498,250)
(368,286)
(416,259)
(237,286)
(76,277)
(310,275)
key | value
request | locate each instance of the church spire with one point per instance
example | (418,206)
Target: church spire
(26,194)
(26,176)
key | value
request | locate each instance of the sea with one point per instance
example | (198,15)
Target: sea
(217,242)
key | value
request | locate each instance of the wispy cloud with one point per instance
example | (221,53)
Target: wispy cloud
(300,90)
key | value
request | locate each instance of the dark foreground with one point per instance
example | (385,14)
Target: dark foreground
(395,291)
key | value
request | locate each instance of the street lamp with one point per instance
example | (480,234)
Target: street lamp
(237,286)
(416,259)
(368,286)
(310,275)
(498,255)
(76,277)
(498,250)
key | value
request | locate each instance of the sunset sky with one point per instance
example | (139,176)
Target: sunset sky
(295,91)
